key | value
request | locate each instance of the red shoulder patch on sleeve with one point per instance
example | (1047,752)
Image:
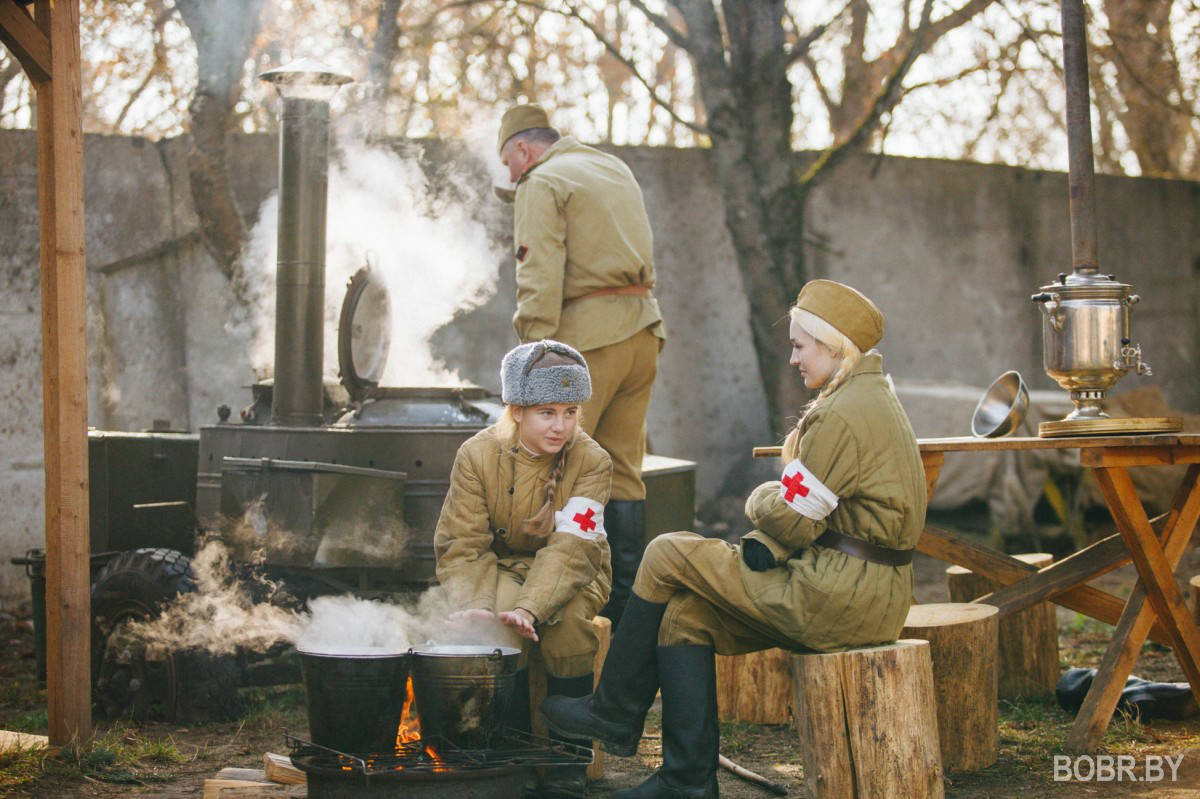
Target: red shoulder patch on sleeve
(522,251)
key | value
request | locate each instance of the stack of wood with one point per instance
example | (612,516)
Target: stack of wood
(276,779)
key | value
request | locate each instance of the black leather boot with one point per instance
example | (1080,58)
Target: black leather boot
(691,736)
(615,714)
(518,717)
(567,782)
(625,524)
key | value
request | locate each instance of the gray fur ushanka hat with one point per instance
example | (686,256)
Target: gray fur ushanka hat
(524,382)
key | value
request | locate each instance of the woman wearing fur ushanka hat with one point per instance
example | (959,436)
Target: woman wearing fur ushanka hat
(521,535)
(828,567)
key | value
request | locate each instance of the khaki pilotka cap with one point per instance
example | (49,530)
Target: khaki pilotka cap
(851,313)
(521,118)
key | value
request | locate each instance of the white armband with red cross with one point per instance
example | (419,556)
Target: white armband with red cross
(582,517)
(804,493)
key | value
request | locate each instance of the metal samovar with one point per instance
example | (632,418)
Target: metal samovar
(1086,343)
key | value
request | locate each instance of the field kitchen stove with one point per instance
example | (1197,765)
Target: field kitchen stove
(431,768)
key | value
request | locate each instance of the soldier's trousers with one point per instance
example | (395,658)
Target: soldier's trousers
(615,416)
(700,580)
(568,640)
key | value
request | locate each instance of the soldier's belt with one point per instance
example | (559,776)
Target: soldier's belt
(864,549)
(626,291)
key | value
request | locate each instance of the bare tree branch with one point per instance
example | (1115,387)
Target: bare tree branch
(802,44)
(676,36)
(571,12)
(884,102)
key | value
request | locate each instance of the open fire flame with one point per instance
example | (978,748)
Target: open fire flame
(410,729)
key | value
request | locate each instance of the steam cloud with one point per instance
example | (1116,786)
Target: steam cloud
(230,612)
(428,238)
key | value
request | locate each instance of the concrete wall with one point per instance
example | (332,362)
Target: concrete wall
(951,252)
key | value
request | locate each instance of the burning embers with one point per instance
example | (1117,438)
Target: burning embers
(430,715)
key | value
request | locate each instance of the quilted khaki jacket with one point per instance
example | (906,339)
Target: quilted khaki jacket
(580,225)
(859,443)
(495,485)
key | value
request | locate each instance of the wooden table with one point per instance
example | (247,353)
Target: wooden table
(1155,554)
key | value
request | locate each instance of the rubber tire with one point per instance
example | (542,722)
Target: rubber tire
(193,686)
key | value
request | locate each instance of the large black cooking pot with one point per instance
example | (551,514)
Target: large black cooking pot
(355,697)
(463,692)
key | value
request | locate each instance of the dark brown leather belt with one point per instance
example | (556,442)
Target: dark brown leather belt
(864,549)
(626,291)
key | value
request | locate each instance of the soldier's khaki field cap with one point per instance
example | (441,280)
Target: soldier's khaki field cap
(847,309)
(520,118)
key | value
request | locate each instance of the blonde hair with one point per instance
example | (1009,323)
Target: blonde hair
(542,522)
(841,347)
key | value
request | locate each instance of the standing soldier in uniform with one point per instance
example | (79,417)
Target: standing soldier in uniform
(585,271)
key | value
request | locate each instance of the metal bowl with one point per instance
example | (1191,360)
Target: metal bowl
(1002,407)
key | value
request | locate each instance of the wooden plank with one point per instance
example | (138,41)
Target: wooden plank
(1157,576)
(22,740)
(64,377)
(1101,701)
(240,789)
(1083,443)
(1141,456)
(26,41)
(952,548)
(279,768)
(244,774)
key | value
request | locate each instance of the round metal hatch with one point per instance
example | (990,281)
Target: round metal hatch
(364,333)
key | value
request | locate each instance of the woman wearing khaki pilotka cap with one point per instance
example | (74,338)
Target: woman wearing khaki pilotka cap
(585,276)
(828,567)
(521,535)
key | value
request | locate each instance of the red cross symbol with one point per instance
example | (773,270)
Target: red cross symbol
(584,520)
(795,485)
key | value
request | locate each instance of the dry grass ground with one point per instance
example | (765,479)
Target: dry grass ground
(157,759)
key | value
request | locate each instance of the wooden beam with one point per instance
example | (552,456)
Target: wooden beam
(1004,569)
(1086,564)
(1142,456)
(1101,702)
(64,377)
(26,41)
(1158,579)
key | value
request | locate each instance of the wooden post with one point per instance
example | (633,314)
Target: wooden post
(867,723)
(537,689)
(962,643)
(64,377)
(1027,650)
(1194,583)
(755,688)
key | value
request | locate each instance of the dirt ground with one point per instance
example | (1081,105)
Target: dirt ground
(158,759)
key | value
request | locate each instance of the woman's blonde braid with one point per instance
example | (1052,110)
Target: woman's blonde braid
(542,523)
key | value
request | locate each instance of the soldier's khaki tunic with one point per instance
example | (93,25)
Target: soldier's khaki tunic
(581,226)
(859,444)
(485,561)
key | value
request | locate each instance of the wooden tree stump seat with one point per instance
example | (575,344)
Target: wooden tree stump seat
(1027,644)
(962,643)
(537,690)
(755,688)
(867,723)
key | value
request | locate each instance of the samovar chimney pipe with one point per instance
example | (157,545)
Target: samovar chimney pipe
(1081,165)
(305,89)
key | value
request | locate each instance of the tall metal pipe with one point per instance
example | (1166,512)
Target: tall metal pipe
(1081,165)
(305,89)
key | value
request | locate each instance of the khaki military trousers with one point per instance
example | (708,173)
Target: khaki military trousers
(700,580)
(568,642)
(615,416)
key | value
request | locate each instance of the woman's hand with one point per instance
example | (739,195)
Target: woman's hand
(520,620)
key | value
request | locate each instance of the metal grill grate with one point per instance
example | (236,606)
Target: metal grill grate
(437,756)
